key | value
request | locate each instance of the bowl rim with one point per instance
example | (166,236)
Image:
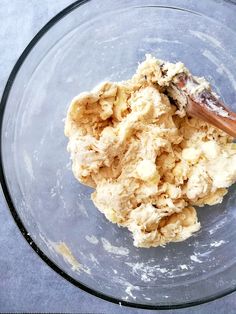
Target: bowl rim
(18,221)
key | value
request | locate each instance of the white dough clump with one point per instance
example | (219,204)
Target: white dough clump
(148,162)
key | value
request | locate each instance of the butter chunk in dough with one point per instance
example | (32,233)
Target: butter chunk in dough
(148,162)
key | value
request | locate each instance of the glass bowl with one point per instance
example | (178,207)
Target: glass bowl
(89,42)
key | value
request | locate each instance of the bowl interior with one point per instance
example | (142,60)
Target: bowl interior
(94,42)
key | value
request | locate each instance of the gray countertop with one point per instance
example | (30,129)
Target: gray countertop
(27,284)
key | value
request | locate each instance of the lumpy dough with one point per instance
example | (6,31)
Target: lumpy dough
(148,162)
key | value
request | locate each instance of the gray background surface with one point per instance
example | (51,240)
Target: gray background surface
(27,284)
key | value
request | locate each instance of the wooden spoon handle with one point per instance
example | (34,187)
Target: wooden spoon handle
(201,111)
(206,105)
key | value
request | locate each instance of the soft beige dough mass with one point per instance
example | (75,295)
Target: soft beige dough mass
(148,162)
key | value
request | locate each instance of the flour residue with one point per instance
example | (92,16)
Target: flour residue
(154,40)
(118,250)
(127,286)
(114,38)
(82,209)
(93,259)
(217,243)
(149,273)
(183,267)
(195,259)
(207,38)
(58,187)
(221,68)
(68,165)
(145,271)
(212,104)
(28,165)
(129,290)
(145,278)
(218,110)
(62,249)
(218,225)
(91,239)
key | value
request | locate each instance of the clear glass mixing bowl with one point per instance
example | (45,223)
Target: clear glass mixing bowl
(88,42)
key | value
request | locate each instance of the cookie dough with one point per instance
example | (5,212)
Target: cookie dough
(148,162)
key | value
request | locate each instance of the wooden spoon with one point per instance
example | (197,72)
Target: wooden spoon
(205,105)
